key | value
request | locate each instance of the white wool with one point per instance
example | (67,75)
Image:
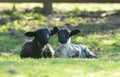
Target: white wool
(69,50)
(63,50)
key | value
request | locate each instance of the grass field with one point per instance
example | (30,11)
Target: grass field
(100,34)
(13,66)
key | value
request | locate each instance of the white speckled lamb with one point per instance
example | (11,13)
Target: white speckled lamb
(67,50)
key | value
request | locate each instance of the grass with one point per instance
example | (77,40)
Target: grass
(12,65)
(59,6)
(102,38)
(82,7)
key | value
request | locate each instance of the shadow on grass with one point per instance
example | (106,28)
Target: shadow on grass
(95,22)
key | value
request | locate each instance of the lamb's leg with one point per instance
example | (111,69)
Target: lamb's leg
(89,54)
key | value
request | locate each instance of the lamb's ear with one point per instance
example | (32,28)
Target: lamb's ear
(30,34)
(74,32)
(54,31)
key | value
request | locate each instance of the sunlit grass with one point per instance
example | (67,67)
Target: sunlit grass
(99,42)
(21,6)
(67,6)
(12,66)
(83,6)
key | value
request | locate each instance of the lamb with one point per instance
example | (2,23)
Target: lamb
(38,47)
(67,50)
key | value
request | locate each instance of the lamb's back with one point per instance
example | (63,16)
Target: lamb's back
(81,51)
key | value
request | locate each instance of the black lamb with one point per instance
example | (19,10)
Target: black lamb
(38,47)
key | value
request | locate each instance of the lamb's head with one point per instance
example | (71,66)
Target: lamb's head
(64,35)
(42,35)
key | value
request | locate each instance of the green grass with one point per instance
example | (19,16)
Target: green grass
(12,66)
(72,7)
(59,6)
(106,44)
